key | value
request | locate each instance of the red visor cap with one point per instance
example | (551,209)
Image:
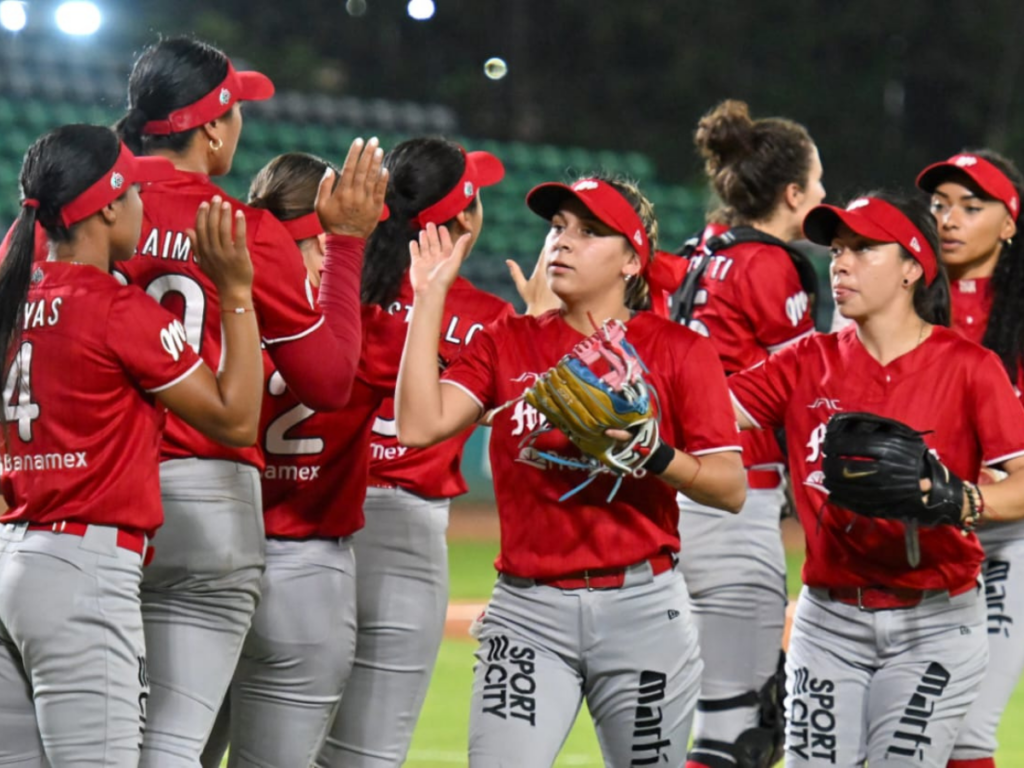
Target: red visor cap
(876,220)
(236,86)
(482,170)
(989,179)
(602,200)
(127,170)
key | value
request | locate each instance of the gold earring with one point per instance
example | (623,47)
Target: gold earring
(216,145)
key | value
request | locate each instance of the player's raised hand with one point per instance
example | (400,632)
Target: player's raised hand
(223,254)
(535,291)
(351,203)
(435,260)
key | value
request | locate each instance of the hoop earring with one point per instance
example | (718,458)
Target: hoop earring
(215,146)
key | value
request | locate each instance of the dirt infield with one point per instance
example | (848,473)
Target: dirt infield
(479,522)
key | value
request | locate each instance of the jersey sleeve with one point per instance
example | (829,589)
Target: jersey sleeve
(282,301)
(705,418)
(475,369)
(763,392)
(149,341)
(998,415)
(778,305)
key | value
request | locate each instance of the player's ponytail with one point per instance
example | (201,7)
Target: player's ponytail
(57,168)
(421,172)
(931,302)
(751,162)
(287,185)
(169,75)
(1005,332)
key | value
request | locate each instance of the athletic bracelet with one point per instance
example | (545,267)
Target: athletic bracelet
(660,459)
(237,310)
(976,507)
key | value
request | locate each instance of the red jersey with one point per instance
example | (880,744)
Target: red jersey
(750,303)
(165,267)
(435,472)
(951,388)
(314,481)
(971,302)
(542,537)
(83,427)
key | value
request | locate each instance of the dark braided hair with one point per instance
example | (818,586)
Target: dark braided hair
(1004,334)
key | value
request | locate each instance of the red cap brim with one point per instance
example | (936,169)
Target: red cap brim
(986,176)
(601,199)
(876,220)
(822,222)
(486,169)
(254,86)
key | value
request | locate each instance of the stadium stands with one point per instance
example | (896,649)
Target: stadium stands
(43,86)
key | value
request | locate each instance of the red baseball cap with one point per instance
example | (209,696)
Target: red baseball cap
(602,200)
(482,170)
(127,170)
(987,176)
(236,86)
(877,220)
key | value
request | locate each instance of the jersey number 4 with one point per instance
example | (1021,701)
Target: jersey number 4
(18,405)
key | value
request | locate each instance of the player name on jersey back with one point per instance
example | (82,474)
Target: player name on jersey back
(167,244)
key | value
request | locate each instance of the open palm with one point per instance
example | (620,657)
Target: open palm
(435,260)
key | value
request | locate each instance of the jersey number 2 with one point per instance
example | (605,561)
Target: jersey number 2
(277,440)
(18,405)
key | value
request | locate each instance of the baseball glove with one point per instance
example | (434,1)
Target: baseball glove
(873,466)
(600,386)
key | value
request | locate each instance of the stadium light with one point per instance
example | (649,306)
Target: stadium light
(12,15)
(78,17)
(421,10)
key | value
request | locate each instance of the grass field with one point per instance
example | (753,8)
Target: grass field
(440,739)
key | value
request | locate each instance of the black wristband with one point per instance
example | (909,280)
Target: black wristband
(660,459)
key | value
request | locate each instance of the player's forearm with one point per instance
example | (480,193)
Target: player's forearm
(715,479)
(1004,501)
(329,384)
(418,401)
(240,379)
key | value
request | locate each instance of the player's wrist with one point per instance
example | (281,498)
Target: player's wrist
(974,508)
(235,297)
(660,458)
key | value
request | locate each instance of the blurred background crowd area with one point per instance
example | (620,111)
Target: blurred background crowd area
(555,89)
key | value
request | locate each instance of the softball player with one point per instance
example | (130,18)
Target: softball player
(886,657)
(201,590)
(588,601)
(975,197)
(80,461)
(402,579)
(295,661)
(748,299)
